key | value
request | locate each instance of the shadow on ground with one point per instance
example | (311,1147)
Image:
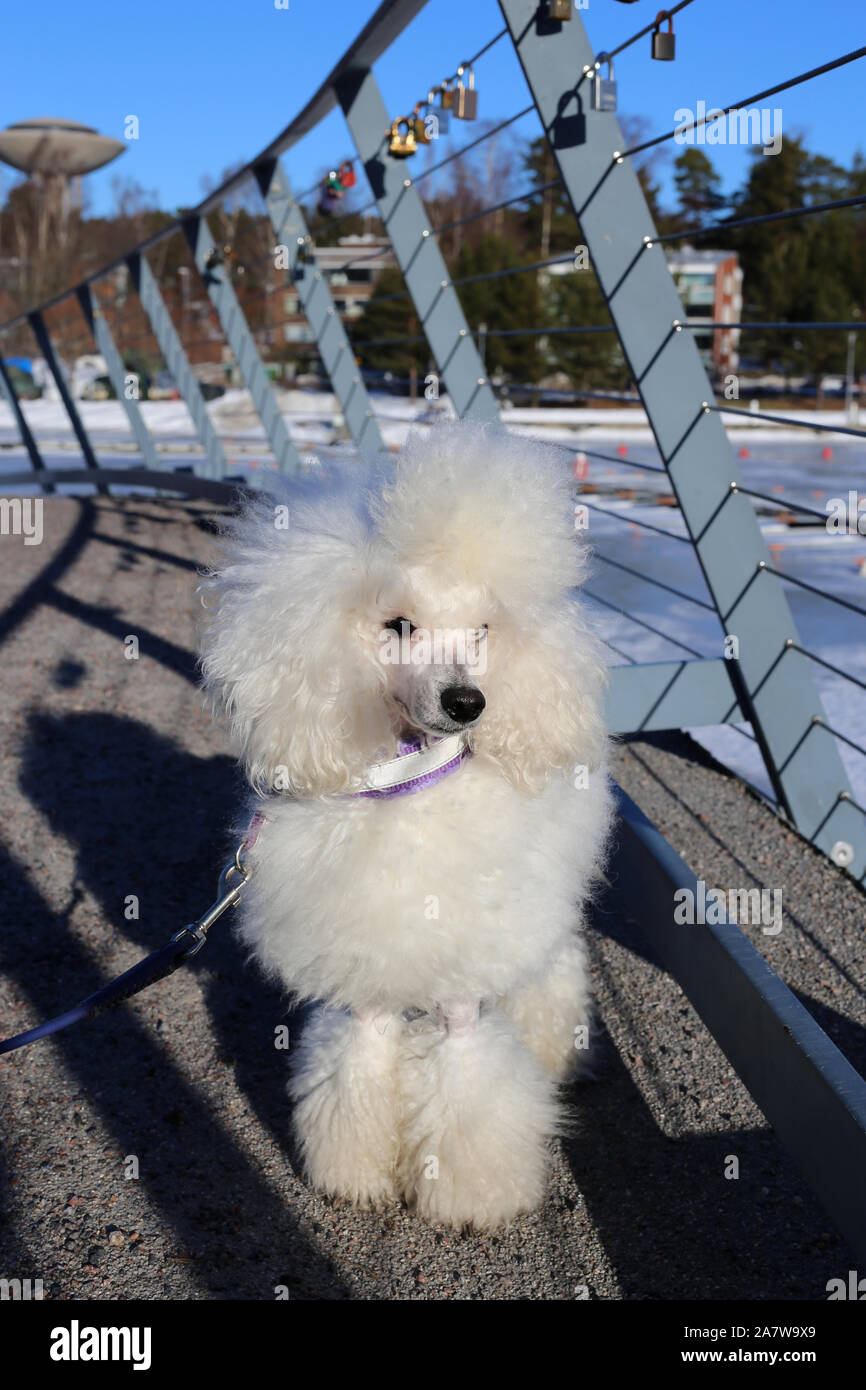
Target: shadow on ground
(146,817)
(672,1224)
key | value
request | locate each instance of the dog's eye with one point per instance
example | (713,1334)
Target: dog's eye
(399,625)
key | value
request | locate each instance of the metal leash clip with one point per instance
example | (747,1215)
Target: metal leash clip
(228,897)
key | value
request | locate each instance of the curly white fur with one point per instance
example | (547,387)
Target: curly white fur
(462,900)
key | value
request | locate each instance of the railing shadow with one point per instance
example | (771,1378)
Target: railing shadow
(671,1223)
(146,817)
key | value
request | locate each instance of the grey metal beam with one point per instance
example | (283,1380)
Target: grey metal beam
(773,681)
(46,347)
(424,270)
(177,362)
(106,345)
(290,229)
(8,387)
(659,695)
(165,480)
(241,342)
(809,1092)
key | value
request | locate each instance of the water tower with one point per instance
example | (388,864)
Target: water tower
(56,154)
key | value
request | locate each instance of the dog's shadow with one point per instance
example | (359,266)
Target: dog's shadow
(150,820)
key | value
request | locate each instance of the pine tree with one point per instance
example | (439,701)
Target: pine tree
(698,188)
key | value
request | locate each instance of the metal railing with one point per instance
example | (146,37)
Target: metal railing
(595,171)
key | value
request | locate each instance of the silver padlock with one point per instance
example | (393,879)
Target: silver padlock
(664,46)
(559,9)
(603,88)
(465,98)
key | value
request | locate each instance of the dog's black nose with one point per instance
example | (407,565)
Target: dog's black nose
(462,703)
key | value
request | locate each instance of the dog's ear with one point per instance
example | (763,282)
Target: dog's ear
(544,689)
(284,652)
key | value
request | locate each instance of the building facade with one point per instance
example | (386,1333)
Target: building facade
(710,285)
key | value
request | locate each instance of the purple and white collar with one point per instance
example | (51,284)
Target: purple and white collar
(417,765)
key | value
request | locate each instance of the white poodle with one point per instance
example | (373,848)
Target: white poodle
(418,703)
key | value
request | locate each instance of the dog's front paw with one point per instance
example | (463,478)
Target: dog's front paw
(479,1112)
(338,1162)
(345,1112)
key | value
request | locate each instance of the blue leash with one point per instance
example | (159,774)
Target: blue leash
(157,966)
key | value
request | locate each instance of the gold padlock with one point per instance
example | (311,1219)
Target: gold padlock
(465,98)
(447,98)
(419,124)
(401,146)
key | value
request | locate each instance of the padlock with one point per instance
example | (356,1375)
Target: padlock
(329,201)
(441,112)
(346,174)
(465,98)
(559,9)
(603,88)
(664,46)
(447,94)
(419,124)
(401,146)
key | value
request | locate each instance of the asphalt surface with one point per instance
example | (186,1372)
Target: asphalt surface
(145,1154)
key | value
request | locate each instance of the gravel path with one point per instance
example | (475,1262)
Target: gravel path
(145,1154)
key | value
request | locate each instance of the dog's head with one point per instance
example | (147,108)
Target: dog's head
(437,598)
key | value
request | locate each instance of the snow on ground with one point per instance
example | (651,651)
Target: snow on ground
(784,462)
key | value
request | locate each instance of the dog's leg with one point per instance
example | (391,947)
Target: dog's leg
(478,1110)
(554,1014)
(344,1088)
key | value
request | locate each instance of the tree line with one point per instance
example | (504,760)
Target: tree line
(804,269)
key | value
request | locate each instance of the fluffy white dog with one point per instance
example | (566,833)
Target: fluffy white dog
(417,700)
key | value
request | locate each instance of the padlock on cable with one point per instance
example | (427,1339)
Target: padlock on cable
(559,9)
(604,88)
(346,174)
(419,125)
(442,111)
(465,98)
(664,46)
(329,200)
(401,146)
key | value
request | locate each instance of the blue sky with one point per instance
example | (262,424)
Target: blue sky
(211,84)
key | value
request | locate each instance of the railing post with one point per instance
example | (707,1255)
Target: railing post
(27,439)
(103,337)
(771,680)
(418,256)
(290,229)
(171,347)
(241,342)
(46,347)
